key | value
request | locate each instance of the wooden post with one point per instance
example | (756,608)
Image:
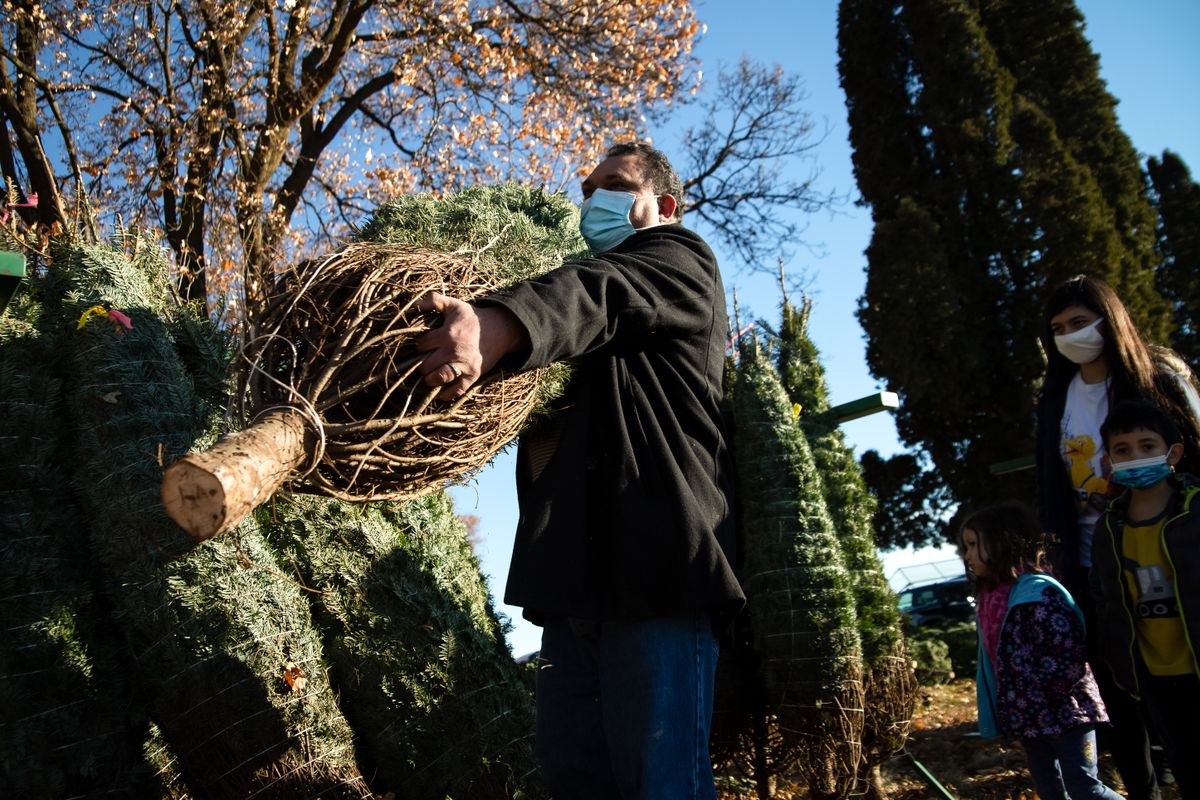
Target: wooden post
(209,493)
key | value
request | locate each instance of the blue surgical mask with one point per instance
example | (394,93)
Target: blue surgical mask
(1141,473)
(604,218)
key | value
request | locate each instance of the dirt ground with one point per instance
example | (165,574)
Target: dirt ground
(944,742)
(967,766)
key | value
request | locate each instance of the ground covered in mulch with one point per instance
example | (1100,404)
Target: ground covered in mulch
(943,741)
(944,744)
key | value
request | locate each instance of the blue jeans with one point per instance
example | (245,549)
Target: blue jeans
(624,708)
(1063,767)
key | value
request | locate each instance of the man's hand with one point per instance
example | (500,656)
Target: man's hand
(468,343)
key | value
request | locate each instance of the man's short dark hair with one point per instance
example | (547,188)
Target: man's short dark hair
(656,168)
(1135,415)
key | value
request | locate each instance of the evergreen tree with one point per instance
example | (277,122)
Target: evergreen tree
(800,596)
(1177,197)
(315,644)
(65,704)
(911,503)
(207,633)
(425,676)
(986,147)
(889,685)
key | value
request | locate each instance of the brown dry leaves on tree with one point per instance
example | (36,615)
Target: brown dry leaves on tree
(243,128)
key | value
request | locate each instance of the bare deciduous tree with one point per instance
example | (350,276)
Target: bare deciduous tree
(742,162)
(238,126)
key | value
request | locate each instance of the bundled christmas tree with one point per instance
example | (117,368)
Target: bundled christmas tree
(317,644)
(416,651)
(65,718)
(803,626)
(335,400)
(795,471)
(206,637)
(889,683)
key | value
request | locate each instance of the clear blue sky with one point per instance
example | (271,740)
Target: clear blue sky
(1149,59)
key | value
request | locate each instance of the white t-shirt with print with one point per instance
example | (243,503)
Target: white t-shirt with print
(1082,451)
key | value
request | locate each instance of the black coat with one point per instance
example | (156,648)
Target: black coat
(626,491)
(1115,619)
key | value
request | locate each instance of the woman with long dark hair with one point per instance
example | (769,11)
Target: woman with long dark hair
(1095,359)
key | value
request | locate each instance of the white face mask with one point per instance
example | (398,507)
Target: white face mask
(1084,345)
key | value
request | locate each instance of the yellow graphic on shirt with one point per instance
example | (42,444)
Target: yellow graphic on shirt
(1150,584)
(1079,452)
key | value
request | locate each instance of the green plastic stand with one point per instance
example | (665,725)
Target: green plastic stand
(12,270)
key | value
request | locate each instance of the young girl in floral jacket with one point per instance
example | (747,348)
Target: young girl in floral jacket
(1033,682)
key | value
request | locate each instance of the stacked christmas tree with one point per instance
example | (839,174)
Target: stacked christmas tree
(320,649)
(817,683)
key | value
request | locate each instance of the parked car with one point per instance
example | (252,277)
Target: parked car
(938,603)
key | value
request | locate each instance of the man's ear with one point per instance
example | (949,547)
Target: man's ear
(1175,453)
(667,205)
(1106,463)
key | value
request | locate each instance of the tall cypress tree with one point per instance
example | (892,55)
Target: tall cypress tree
(986,146)
(1177,198)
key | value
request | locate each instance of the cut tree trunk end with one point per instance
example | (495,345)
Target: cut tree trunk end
(875,789)
(209,493)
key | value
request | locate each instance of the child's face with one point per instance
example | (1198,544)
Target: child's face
(975,554)
(1141,443)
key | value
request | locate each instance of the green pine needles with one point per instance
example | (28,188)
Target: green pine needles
(817,682)
(800,595)
(424,672)
(889,683)
(207,636)
(320,649)
(65,721)
(513,233)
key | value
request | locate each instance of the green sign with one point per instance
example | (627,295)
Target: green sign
(12,270)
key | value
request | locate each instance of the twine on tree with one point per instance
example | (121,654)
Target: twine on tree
(339,350)
(301,405)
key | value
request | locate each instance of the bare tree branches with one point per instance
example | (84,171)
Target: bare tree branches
(19,88)
(235,114)
(754,134)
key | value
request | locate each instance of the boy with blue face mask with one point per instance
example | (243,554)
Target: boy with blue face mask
(1145,579)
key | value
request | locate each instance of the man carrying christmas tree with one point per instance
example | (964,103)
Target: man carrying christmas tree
(624,548)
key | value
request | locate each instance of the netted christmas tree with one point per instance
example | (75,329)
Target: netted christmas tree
(801,611)
(317,644)
(65,718)
(889,683)
(333,395)
(414,645)
(513,232)
(205,637)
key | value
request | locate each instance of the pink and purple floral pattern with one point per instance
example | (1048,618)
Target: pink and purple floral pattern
(1044,684)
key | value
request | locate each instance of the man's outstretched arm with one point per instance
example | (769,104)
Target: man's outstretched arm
(468,344)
